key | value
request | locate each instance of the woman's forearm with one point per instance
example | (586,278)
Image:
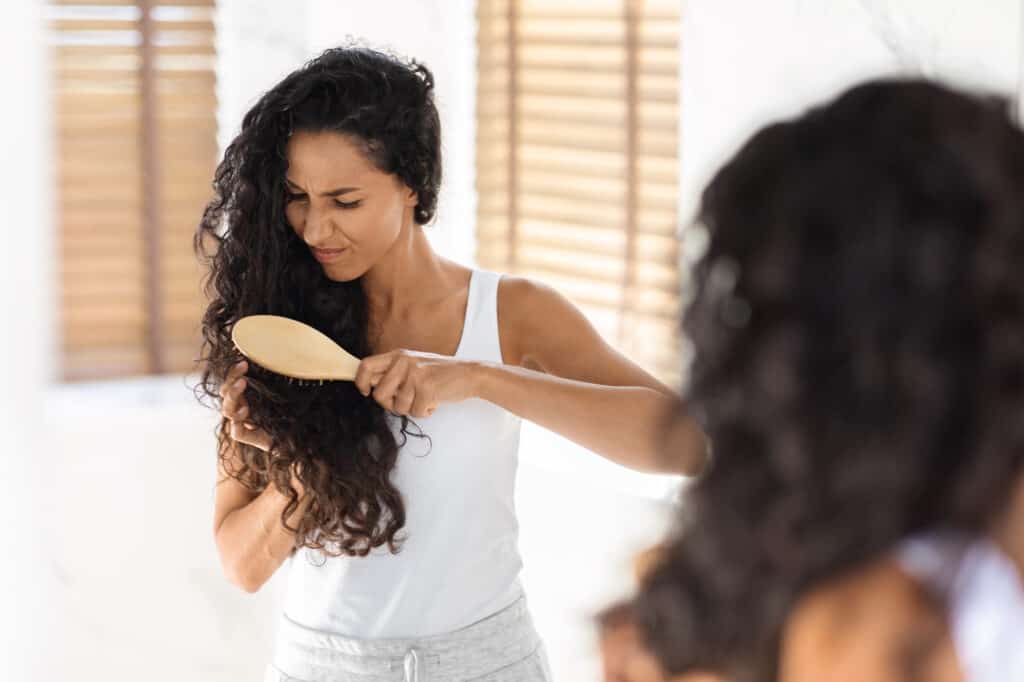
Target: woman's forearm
(623,423)
(252,541)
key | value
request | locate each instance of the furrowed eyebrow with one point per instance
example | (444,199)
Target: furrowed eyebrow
(331,193)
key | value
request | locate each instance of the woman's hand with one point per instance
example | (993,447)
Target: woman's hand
(236,409)
(412,383)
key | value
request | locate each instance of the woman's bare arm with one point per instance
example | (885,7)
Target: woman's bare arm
(251,540)
(563,376)
(556,371)
(621,423)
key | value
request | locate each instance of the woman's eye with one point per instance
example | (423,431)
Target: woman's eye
(290,197)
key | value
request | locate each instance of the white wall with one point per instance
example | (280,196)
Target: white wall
(258,43)
(26,342)
(746,63)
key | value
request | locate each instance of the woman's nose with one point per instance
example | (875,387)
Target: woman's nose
(318,228)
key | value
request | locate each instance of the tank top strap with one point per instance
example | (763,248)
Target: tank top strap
(482,340)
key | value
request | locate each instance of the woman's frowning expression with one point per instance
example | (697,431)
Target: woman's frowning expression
(348,211)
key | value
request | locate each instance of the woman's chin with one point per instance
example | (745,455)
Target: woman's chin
(337,273)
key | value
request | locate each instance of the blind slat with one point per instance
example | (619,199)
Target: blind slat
(78,25)
(555,123)
(98,93)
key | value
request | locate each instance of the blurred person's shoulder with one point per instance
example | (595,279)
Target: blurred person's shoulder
(874,623)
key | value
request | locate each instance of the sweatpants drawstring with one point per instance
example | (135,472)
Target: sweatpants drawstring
(412,666)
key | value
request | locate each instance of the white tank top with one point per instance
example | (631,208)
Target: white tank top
(986,601)
(460,561)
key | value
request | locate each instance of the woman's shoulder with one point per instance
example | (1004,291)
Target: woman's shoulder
(527,309)
(520,292)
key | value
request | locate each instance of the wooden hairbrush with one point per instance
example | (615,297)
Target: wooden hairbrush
(293,349)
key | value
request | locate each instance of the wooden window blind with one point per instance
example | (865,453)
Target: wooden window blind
(577,160)
(135,111)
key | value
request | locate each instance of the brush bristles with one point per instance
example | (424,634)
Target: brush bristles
(305,382)
(291,380)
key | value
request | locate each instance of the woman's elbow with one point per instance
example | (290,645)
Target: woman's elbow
(243,580)
(683,449)
(237,572)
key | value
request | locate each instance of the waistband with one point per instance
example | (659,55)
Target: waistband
(498,640)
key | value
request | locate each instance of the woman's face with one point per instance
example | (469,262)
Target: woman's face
(874,626)
(340,202)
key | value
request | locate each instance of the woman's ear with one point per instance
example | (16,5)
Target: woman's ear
(412,197)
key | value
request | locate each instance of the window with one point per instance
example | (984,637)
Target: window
(135,113)
(577,161)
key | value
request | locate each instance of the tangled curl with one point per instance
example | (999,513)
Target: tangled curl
(339,444)
(858,333)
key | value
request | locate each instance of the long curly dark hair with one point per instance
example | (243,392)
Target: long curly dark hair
(339,443)
(858,330)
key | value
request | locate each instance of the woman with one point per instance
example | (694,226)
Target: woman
(858,328)
(396,489)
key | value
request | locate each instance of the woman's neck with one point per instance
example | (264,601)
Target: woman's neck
(409,273)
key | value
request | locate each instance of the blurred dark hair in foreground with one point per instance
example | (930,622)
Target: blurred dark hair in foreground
(858,327)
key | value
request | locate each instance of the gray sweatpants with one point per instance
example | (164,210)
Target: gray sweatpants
(503,647)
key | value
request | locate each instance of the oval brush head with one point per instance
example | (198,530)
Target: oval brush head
(293,349)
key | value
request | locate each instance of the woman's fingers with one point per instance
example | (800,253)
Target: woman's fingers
(234,405)
(404,399)
(250,436)
(421,407)
(384,392)
(239,369)
(371,369)
(394,381)
(235,408)
(234,400)
(236,371)
(242,435)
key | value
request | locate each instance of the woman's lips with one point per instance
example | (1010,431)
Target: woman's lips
(327,255)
